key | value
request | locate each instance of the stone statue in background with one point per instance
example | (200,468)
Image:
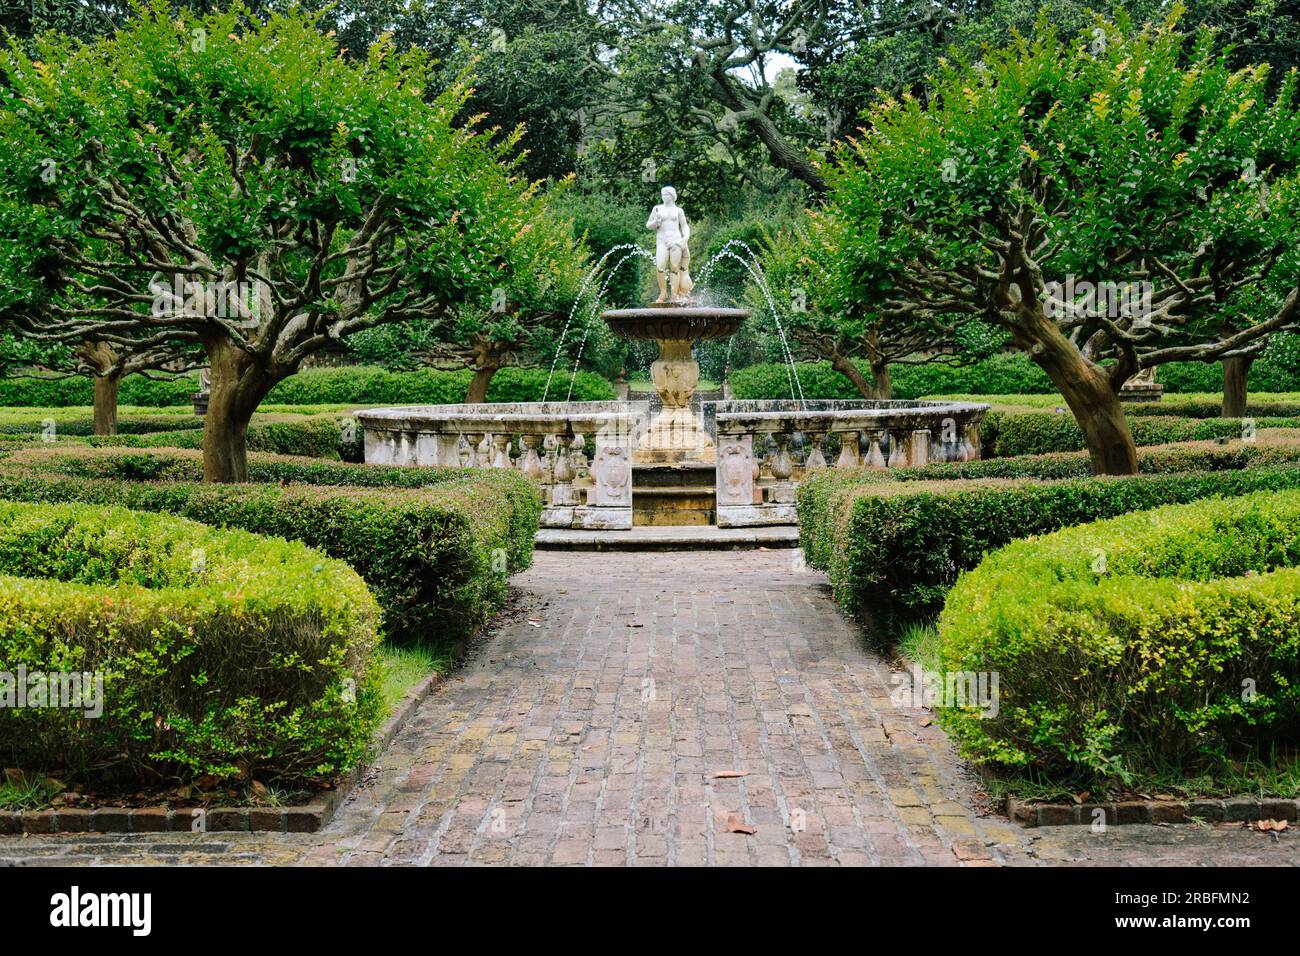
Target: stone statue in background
(672,249)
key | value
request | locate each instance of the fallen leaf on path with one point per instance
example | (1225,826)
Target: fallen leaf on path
(1266,826)
(736,824)
(728,774)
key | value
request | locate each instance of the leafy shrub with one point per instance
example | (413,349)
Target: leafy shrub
(80,390)
(365,385)
(892,549)
(221,652)
(1179,407)
(1040,433)
(1125,645)
(313,436)
(1272,447)
(362,385)
(79,422)
(1004,373)
(435,554)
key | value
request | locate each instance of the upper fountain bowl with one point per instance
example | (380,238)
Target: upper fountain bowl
(681,323)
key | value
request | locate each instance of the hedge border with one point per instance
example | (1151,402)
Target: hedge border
(300,818)
(834,506)
(463,587)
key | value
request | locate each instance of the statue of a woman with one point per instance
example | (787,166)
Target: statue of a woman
(672,252)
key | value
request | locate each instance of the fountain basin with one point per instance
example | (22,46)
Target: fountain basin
(676,323)
(676,434)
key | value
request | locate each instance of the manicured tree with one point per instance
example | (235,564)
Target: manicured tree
(825,319)
(241,182)
(1112,203)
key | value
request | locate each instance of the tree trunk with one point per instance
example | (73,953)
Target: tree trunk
(1087,390)
(850,370)
(1235,372)
(478,385)
(106,387)
(237,388)
(884,386)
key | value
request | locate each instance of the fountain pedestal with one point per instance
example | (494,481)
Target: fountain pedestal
(676,434)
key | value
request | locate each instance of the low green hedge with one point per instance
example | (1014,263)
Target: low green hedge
(80,390)
(311,436)
(367,385)
(892,549)
(363,385)
(1201,408)
(1145,642)
(79,422)
(1001,374)
(1006,373)
(435,550)
(1040,433)
(220,652)
(1273,447)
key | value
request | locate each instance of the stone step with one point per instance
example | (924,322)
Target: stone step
(673,538)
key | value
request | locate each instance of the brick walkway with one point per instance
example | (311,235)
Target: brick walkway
(640,709)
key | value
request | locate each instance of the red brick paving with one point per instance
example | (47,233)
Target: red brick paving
(639,710)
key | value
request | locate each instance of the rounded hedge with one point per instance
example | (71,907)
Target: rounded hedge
(221,653)
(1154,640)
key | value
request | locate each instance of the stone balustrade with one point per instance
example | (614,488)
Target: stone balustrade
(544,440)
(755,484)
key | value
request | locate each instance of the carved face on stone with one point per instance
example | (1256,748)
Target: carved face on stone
(668,195)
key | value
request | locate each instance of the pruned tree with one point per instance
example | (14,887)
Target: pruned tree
(825,316)
(240,182)
(1108,202)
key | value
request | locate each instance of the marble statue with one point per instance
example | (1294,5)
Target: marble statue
(672,250)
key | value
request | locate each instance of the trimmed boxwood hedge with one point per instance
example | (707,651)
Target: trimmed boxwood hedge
(1006,373)
(363,385)
(1272,447)
(1145,642)
(220,652)
(79,422)
(436,550)
(892,549)
(311,436)
(1039,433)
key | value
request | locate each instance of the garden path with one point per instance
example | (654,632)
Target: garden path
(655,709)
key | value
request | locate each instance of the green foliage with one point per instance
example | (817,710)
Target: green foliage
(360,385)
(997,375)
(435,545)
(374,386)
(79,390)
(313,436)
(221,652)
(1273,447)
(1156,639)
(1038,433)
(79,421)
(892,549)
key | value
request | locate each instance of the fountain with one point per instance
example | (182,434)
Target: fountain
(730,463)
(677,433)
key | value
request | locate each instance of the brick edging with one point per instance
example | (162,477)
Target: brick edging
(305,818)
(1232,809)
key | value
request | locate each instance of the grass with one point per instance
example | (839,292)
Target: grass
(405,667)
(18,793)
